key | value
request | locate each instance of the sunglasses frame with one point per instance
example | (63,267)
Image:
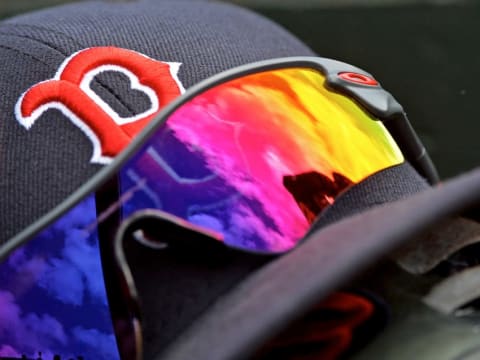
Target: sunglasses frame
(374,99)
(370,96)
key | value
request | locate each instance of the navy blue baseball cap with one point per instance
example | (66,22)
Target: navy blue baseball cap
(72,101)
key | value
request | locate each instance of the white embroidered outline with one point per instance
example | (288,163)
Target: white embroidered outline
(85,85)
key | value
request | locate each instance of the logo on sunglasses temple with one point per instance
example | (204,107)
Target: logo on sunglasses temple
(358,78)
(70,92)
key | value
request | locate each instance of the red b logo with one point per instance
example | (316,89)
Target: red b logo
(70,92)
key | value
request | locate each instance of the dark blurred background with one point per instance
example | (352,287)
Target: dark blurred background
(426,53)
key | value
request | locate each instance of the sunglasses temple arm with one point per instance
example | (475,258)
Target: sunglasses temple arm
(411,146)
(426,163)
(121,293)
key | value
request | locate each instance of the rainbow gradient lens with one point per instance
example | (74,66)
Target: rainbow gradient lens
(255,159)
(258,158)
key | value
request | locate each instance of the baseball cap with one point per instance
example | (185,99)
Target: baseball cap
(50,154)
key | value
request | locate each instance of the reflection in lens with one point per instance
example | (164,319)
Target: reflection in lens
(258,158)
(52,294)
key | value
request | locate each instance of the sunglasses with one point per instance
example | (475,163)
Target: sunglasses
(248,159)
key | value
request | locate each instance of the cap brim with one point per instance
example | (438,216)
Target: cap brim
(264,303)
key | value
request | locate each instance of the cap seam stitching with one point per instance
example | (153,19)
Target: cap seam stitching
(25,54)
(35,27)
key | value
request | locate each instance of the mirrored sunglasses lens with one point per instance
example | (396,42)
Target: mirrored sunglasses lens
(258,158)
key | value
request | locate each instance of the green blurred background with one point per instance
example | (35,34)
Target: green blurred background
(426,53)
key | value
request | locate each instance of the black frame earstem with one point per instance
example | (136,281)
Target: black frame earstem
(373,99)
(121,295)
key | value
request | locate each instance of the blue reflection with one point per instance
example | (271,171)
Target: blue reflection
(174,176)
(168,175)
(52,295)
